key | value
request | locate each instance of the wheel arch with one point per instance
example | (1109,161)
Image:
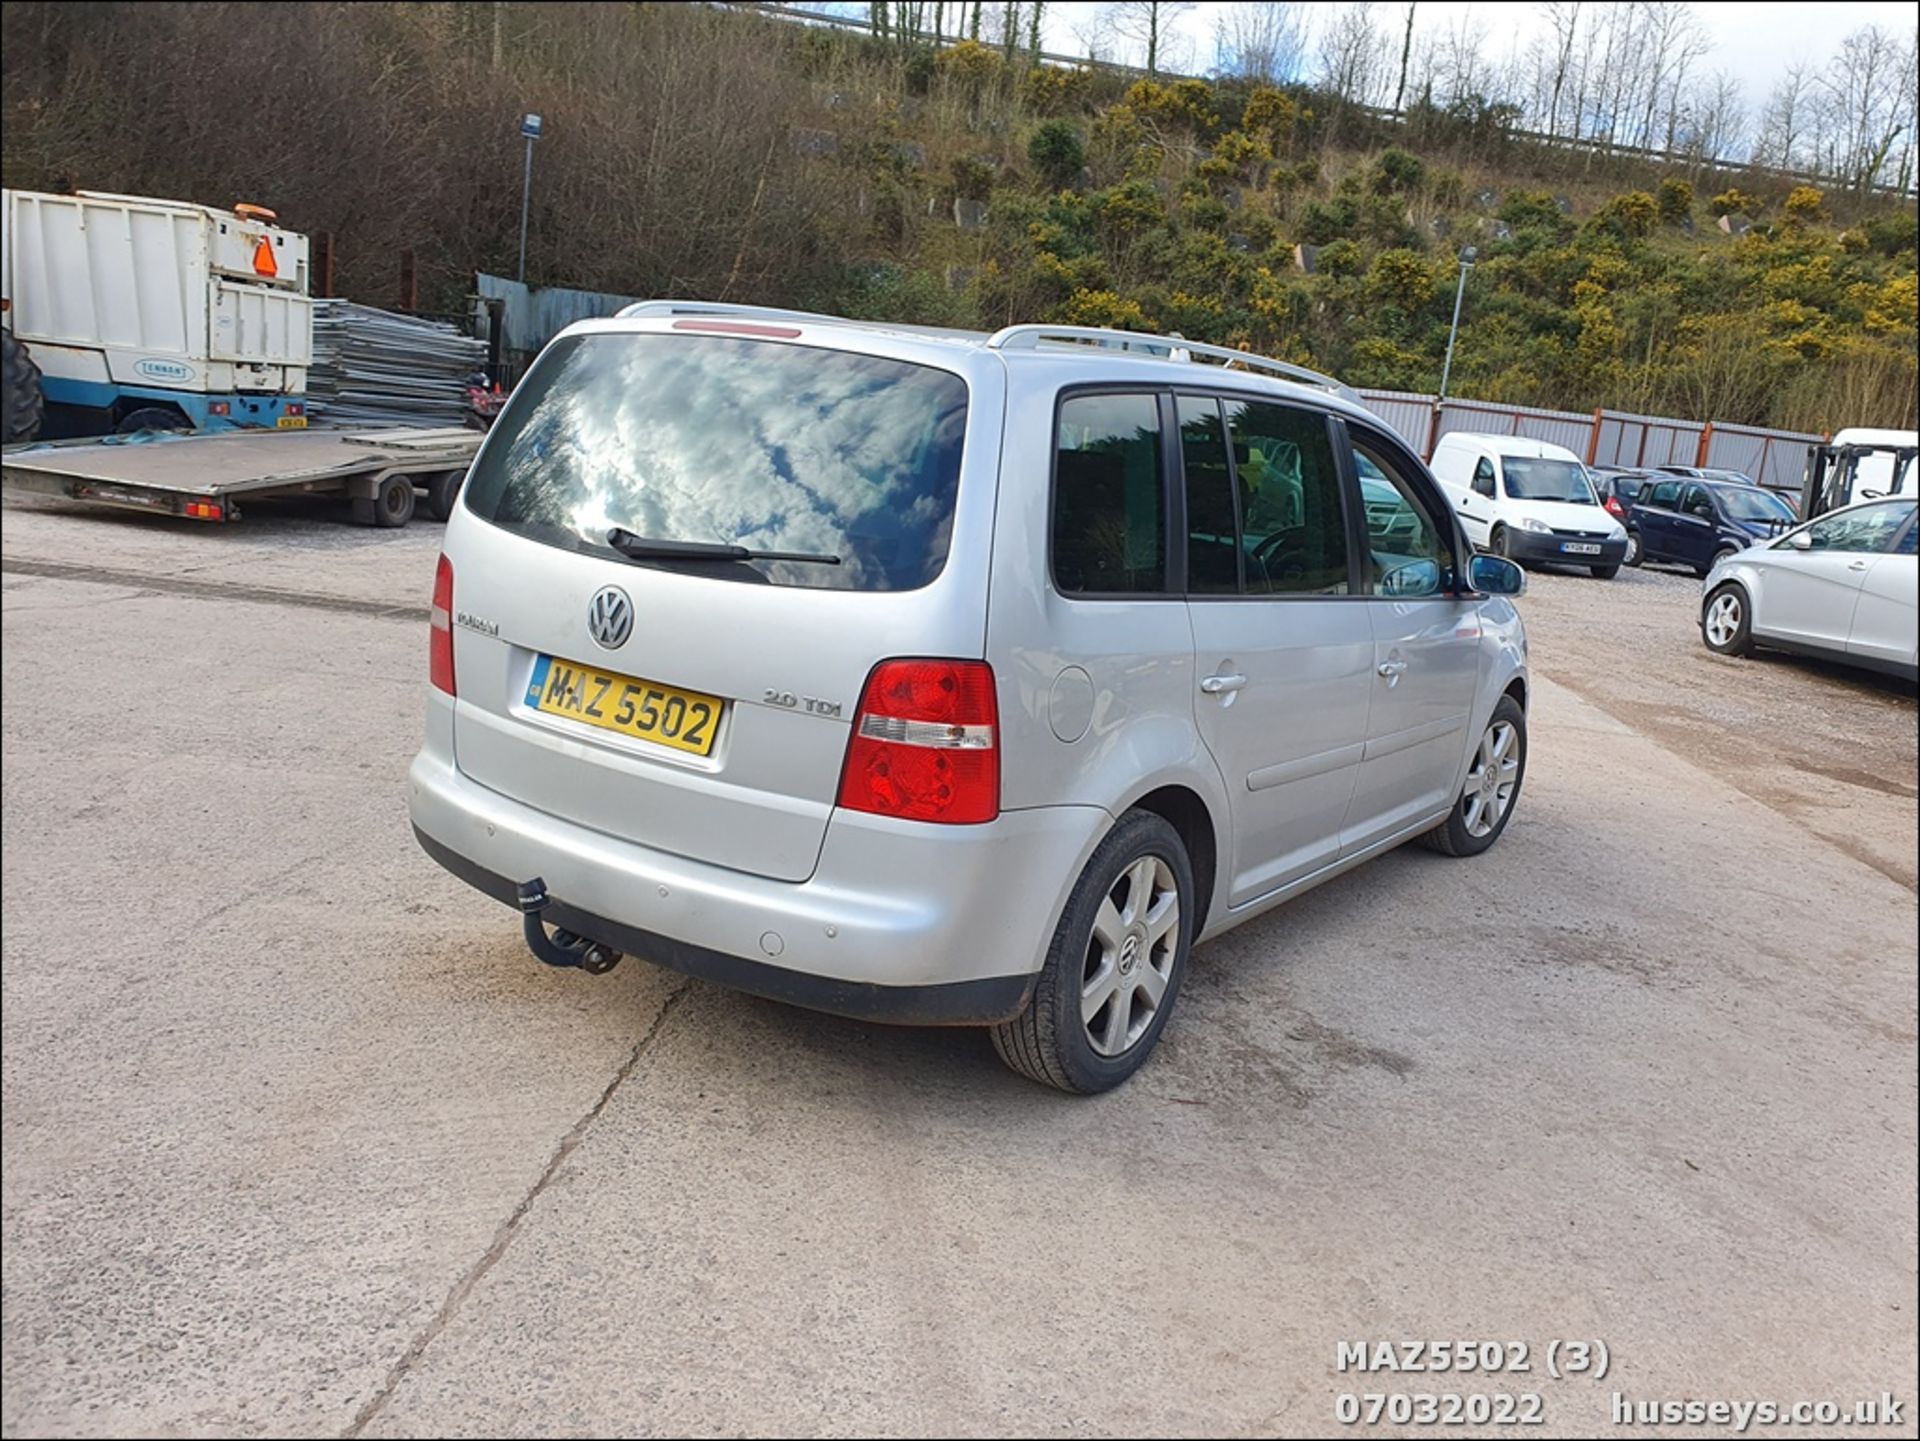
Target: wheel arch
(1183,808)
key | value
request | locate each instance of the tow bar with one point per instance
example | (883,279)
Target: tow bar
(562,948)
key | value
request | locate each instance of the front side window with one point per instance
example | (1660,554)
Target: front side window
(1402,530)
(1483,477)
(1293,521)
(852,461)
(1109,496)
(1538,478)
(1695,501)
(1870,528)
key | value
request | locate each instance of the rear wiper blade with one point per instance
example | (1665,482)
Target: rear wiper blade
(638,547)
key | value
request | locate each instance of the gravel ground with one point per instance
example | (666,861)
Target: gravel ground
(298,1139)
(1831,747)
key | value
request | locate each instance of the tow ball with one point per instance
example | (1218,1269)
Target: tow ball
(562,948)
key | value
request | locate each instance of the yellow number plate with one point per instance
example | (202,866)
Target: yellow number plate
(292,422)
(663,714)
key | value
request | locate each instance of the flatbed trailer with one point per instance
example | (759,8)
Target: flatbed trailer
(205,476)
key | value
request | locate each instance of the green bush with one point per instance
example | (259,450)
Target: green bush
(1891,235)
(1057,153)
(1804,204)
(1734,202)
(1340,258)
(1055,90)
(1324,221)
(972,177)
(1533,208)
(1675,199)
(1396,172)
(1631,216)
(1400,278)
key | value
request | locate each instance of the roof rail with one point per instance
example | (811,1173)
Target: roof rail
(649,309)
(642,308)
(1169,347)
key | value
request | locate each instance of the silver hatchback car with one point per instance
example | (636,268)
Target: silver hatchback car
(948,678)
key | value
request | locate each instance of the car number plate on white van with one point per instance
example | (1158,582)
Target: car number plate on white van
(1579,547)
(663,714)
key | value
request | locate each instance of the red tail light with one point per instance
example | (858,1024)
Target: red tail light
(925,743)
(1615,508)
(440,644)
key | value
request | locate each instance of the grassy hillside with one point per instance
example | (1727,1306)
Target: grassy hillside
(698,152)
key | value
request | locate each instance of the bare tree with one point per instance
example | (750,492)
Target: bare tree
(1406,54)
(1261,43)
(1564,19)
(1786,119)
(1146,24)
(1863,86)
(1350,54)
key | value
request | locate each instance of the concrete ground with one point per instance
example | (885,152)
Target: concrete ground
(298,1138)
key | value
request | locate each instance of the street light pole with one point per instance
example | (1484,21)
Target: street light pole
(529,127)
(1467,257)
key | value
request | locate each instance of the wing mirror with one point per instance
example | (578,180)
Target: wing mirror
(1495,575)
(1416,577)
(1800,540)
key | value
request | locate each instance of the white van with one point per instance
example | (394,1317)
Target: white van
(1528,500)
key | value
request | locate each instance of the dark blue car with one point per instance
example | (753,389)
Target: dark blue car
(1695,522)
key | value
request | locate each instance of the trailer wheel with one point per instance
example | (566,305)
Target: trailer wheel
(23,401)
(393,505)
(442,491)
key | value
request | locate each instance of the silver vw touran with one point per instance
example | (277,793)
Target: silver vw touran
(948,678)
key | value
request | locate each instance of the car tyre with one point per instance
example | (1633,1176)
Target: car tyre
(1469,829)
(1497,543)
(1117,950)
(1636,555)
(1726,620)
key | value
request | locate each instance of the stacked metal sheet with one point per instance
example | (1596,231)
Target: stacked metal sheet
(375,365)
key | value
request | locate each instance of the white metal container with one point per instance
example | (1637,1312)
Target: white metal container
(119,291)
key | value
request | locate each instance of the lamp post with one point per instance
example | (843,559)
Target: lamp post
(1467,257)
(529,127)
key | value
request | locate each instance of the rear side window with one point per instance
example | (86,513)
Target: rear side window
(741,442)
(1109,496)
(1666,494)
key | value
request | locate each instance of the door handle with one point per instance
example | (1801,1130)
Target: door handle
(1858,565)
(1392,668)
(1220,684)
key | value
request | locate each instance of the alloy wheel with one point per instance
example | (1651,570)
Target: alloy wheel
(1491,778)
(1130,956)
(1723,618)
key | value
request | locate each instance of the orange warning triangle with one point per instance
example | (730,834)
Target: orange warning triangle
(263,261)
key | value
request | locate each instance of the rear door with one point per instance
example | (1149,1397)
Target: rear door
(1426,650)
(1654,516)
(1695,527)
(1283,647)
(702,707)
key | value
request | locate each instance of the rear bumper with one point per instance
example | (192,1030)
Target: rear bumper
(914,924)
(1530,545)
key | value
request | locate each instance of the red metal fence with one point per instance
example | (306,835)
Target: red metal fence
(1604,437)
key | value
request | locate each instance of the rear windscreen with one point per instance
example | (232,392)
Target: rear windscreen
(732,442)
